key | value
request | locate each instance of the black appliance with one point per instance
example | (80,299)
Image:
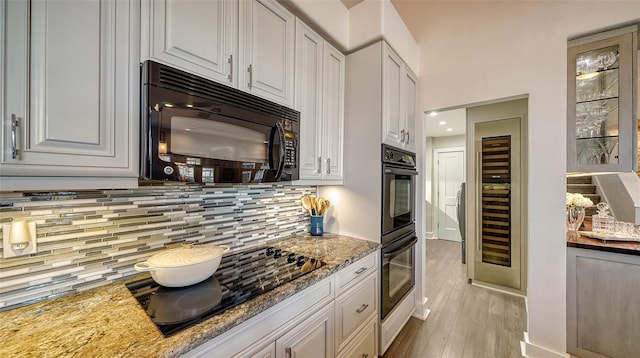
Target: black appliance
(239,278)
(398,192)
(197,130)
(398,227)
(398,271)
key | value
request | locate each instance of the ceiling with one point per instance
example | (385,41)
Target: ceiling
(446,123)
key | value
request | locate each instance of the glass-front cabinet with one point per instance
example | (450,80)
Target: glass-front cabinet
(601,123)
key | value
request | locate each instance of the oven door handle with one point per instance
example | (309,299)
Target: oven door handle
(401,248)
(388,170)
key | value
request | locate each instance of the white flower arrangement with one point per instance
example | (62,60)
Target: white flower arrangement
(577,201)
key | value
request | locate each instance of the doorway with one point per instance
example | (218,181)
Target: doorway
(449,172)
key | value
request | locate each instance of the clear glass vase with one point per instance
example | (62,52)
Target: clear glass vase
(575,216)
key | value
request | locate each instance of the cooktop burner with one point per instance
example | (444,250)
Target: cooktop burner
(239,278)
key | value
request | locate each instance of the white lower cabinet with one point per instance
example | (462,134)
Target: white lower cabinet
(356,305)
(320,321)
(363,344)
(312,338)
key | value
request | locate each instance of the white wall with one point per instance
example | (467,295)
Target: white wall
(478,51)
(372,19)
(449,141)
(331,15)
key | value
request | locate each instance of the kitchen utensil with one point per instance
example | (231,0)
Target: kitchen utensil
(306,203)
(183,266)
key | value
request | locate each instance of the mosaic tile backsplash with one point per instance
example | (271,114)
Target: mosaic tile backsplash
(90,238)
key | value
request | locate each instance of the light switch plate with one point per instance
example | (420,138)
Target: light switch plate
(8,251)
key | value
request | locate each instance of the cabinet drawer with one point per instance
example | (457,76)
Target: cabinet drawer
(360,268)
(363,345)
(354,307)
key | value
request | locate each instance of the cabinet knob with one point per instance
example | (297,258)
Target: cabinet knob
(250,70)
(230,61)
(402,136)
(407,136)
(328,165)
(319,165)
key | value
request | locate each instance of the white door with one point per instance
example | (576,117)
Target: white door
(198,36)
(391,98)
(308,99)
(267,32)
(450,164)
(311,338)
(333,112)
(72,88)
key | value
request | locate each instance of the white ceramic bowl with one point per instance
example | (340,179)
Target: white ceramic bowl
(183,266)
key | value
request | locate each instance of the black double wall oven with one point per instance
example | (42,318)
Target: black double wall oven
(197,130)
(398,226)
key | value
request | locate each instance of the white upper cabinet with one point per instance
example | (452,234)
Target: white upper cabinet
(70,94)
(198,36)
(333,114)
(411,108)
(398,101)
(320,81)
(267,33)
(246,44)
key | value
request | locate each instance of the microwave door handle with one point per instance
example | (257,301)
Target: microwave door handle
(401,248)
(277,128)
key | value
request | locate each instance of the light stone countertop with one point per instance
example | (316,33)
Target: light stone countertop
(108,322)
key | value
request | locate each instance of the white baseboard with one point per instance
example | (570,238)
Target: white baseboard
(531,350)
(421,312)
(429,235)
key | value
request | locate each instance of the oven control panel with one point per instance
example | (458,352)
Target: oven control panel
(391,155)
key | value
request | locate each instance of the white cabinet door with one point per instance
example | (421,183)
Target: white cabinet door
(267,33)
(399,91)
(312,338)
(197,36)
(333,113)
(72,84)
(409,97)
(308,99)
(392,129)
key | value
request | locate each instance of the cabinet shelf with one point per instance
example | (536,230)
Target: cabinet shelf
(601,133)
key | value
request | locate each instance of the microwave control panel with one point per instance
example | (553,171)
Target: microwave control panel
(290,153)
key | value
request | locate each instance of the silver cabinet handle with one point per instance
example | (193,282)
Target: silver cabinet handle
(361,270)
(407,136)
(328,165)
(478,201)
(287,352)
(250,70)
(230,61)
(362,308)
(402,139)
(319,165)
(14,136)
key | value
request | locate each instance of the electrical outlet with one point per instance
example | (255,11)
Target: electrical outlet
(14,249)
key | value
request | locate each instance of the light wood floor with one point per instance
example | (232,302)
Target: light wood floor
(465,320)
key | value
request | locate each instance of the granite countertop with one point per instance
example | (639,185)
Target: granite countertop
(622,247)
(108,322)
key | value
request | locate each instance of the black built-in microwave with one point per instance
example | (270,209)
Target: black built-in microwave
(197,130)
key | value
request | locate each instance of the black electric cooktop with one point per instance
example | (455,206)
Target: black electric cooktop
(239,278)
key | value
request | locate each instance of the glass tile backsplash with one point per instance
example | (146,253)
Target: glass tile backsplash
(91,238)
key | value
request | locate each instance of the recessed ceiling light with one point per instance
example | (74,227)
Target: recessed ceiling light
(433,113)
(442,123)
(449,129)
